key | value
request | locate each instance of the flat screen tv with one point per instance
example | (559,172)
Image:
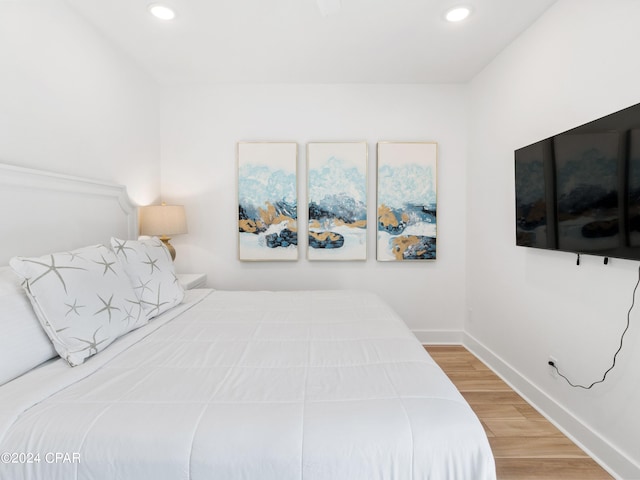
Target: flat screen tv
(579,191)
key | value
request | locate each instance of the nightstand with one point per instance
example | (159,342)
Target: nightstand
(192,280)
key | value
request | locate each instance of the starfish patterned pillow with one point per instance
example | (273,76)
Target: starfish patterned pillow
(150,268)
(83,299)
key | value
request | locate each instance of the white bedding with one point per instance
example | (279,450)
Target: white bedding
(248,385)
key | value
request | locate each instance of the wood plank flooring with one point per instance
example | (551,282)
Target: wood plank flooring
(525,445)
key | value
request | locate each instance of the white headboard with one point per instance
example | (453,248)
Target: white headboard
(43,212)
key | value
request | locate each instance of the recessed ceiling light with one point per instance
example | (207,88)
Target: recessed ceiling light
(457,14)
(162,12)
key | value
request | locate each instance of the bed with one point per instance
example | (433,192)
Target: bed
(243,385)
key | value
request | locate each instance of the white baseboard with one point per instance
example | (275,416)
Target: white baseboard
(435,337)
(612,460)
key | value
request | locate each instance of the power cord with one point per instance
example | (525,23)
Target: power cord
(633,302)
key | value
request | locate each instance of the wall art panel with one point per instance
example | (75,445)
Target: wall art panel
(337,199)
(406,201)
(267,201)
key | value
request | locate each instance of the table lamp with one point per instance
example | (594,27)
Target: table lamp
(163,221)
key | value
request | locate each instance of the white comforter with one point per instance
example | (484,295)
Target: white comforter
(248,385)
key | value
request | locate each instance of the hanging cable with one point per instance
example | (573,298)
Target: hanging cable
(615,355)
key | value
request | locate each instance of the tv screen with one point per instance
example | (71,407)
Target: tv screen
(579,191)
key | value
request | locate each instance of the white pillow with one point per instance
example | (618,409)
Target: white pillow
(153,276)
(82,298)
(23,343)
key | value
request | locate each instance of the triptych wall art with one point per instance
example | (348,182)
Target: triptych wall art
(337,201)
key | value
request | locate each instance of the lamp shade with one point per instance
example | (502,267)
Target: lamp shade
(163,220)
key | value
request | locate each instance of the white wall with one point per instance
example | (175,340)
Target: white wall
(200,128)
(577,63)
(71,103)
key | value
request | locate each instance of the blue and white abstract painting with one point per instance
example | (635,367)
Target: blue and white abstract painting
(267,201)
(337,196)
(406,201)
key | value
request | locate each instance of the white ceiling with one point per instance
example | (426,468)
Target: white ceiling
(289,41)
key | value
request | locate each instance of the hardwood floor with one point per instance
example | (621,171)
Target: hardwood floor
(525,445)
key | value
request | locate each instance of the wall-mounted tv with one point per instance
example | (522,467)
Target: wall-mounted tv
(579,191)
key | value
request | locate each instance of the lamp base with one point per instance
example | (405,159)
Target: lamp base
(172,251)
